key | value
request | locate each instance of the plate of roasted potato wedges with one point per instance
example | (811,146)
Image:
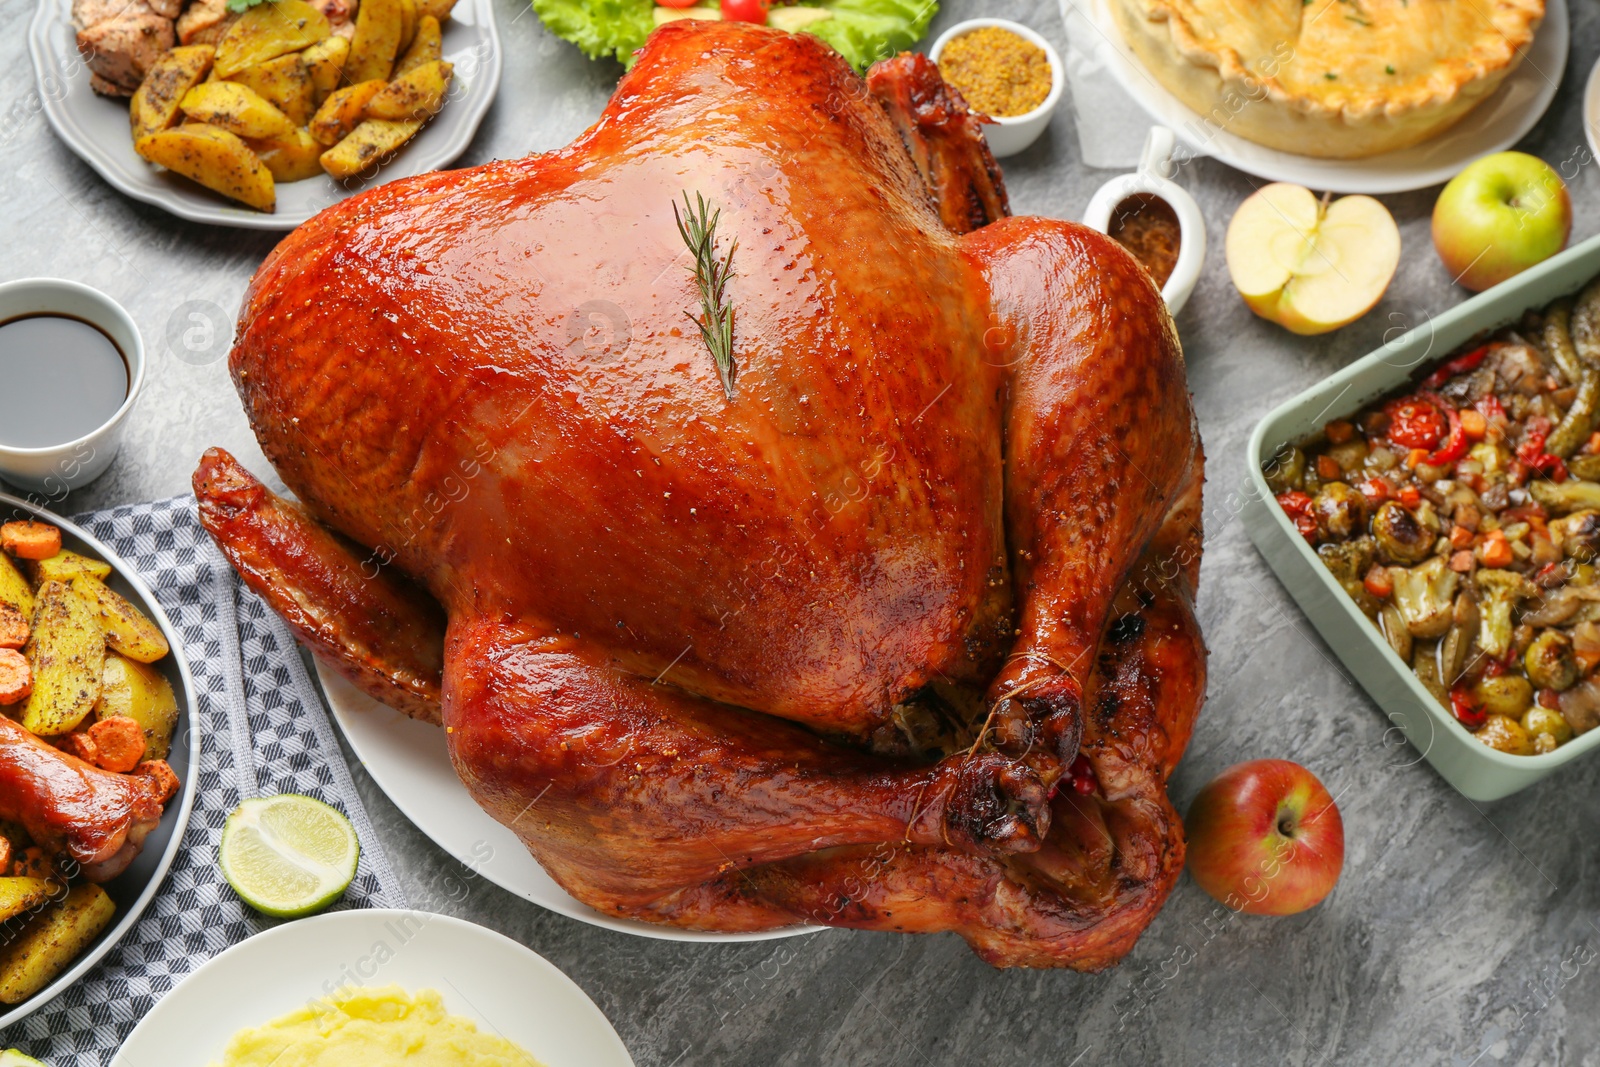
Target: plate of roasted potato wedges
(96,753)
(260,113)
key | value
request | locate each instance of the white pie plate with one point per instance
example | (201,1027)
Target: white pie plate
(500,985)
(96,127)
(1498,123)
(407,759)
(136,887)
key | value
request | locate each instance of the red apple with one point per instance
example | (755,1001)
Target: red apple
(1265,838)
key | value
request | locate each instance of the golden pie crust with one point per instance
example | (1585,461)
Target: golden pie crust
(1336,79)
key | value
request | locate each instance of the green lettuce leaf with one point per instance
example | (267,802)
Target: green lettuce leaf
(599,27)
(863,31)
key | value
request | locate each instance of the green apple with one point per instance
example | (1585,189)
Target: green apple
(1500,216)
(1306,264)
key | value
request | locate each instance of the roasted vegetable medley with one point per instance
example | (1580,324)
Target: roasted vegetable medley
(1463,517)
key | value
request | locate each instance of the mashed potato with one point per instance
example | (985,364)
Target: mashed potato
(372,1028)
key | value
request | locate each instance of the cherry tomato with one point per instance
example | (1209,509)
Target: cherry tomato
(745,11)
(1415,423)
(1297,506)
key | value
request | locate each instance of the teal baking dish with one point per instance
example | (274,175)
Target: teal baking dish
(1478,771)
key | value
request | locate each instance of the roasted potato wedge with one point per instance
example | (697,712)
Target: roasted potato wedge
(268,31)
(236,108)
(290,159)
(325,61)
(14,588)
(67,653)
(416,94)
(215,158)
(285,83)
(53,939)
(367,145)
(426,46)
(18,895)
(67,565)
(408,25)
(128,630)
(379,26)
(342,111)
(144,695)
(439,9)
(155,104)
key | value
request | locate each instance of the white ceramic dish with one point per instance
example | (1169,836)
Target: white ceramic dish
(1154,178)
(408,760)
(1591,123)
(503,987)
(1499,122)
(1009,135)
(57,469)
(96,127)
(134,888)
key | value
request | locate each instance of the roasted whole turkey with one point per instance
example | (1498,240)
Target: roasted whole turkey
(887,624)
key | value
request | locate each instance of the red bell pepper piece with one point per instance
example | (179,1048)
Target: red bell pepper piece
(1459,365)
(1456,442)
(1467,711)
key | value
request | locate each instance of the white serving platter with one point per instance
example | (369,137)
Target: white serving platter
(408,760)
(95,127)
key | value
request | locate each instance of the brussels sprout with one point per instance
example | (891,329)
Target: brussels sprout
(1340,510)
(1550,662)
(1542,720)
(1348,560)
(1506,695)
(1425,594)
(1401,537)
(1505,734)
(1578,534)
(1286,470)
(1498,593)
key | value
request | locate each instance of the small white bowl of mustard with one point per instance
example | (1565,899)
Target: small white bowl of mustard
(1006,72)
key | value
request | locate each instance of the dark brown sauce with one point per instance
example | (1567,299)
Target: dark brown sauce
(61,378)
(1147,226)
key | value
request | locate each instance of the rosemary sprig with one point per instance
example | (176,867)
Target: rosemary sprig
(697,225)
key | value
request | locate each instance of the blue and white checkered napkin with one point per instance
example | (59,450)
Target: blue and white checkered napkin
(263,731)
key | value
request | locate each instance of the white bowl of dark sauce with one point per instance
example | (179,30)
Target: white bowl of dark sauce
(71,366)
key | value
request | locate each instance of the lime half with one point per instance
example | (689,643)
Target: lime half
(288,855)
(12,1058)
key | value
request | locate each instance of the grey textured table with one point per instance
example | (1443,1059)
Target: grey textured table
(1460,933)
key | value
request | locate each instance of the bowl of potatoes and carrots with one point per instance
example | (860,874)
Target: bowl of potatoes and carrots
(93,692)
(282,98)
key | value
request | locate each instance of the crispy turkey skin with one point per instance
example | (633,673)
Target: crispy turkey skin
(832,646)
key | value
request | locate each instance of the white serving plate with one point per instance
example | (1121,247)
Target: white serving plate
(503,987)
(96,127)
(134,888)
(1497,123)
(407,759)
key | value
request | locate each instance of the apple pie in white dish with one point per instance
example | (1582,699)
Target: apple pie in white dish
(1334,79)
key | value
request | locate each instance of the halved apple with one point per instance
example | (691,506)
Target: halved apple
(1309,265)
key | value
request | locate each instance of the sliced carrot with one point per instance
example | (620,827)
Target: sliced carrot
(16,677)
(30,540)
(120,741)
(159,771)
